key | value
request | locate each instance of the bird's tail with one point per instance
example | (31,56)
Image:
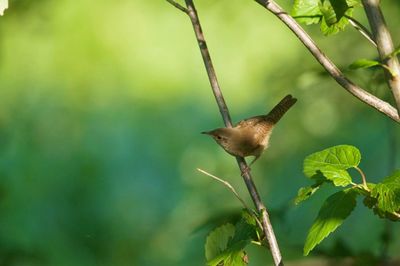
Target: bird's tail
(281,108)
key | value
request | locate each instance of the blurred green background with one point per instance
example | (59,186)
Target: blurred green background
(101,108)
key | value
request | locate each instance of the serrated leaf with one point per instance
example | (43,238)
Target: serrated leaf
(387,193)
(226,243)
(245,231)
(331,215)
(331,25)
(363,63)
(340,157)
(306,11)
(339,177)
(305,192)
(217,240)
(236,259)
(248,217)
(329,15)
(229,259)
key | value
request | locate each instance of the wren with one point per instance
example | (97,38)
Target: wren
(250,136)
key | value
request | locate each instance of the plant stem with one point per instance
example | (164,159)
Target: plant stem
(364,179)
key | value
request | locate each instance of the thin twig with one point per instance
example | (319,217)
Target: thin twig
(361,29)
(385,46)
(228,185)
(178,6)
(223,108)
(329,66)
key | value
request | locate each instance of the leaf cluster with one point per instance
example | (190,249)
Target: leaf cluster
(225,244)
(330,166)
(332,15)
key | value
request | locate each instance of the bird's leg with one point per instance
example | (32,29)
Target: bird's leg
(248,169)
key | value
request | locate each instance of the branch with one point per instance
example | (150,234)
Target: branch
(212,76)
(384,45)
(223,108)
(329,66)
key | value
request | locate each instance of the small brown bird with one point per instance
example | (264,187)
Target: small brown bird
(250,136)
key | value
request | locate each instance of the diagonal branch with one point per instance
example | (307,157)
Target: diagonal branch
(329,66)
(385,46)
(223,108)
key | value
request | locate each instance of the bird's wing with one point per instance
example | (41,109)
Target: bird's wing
(252,121)
(273,116)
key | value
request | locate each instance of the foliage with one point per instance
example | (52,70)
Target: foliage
(332,15)
(331,166)
(367,63)
(226,243)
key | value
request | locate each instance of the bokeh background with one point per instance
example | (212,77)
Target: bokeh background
(101,108)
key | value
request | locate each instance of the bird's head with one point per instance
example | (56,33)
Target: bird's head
(221,135)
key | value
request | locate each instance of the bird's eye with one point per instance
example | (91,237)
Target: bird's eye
(219,137)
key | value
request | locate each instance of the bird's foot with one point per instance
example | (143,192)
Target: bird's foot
(246,170)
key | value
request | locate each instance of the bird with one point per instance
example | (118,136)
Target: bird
(250,137)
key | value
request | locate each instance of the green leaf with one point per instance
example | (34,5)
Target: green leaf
(229,259)
(340,7)
(331,215)
(366,63)
(353,3)
(236,259)
(339,177)
(226,243)
(331,24)
(306,11)
(217,240)
(245,231)
(339,157)
(387,193)
(363,63)
(306,192)
(329,15)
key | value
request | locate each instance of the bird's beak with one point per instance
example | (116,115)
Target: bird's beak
(205,132)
